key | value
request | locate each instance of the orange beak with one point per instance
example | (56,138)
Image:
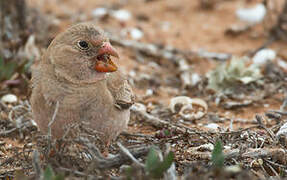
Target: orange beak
(103,60)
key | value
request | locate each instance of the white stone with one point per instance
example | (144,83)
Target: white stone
(227,147)
(246,80)
(212,126)
(99,12)
(185,78)
(195,78)
(9,98)
(282,64)
(252,15)
(282,130)
(132,73)
(183,65)
(139,107)
(122,15)
(136,34)
(207,146)
(149,92)
(264,55)
(233,169)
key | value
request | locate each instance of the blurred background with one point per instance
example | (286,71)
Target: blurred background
(27,27)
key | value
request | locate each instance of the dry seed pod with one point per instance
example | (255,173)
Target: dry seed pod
(188,108)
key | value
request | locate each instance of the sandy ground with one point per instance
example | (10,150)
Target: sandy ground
(183,25)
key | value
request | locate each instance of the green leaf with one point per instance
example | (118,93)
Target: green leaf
(59,177)
(1,62)
(166,132)
(9,70)
(164,165)
(217,155)
(128,173)
(282,172)
(49,173)
(152,160)
(154,166)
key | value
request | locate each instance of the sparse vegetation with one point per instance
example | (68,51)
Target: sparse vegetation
(217,155)
(234,136)
(228,76)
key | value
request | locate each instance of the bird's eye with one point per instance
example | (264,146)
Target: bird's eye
(83,45)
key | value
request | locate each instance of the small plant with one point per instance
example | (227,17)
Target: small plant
(8,68)
(164,133)
(50,175)
(228,76)
(217,156)
(154,166)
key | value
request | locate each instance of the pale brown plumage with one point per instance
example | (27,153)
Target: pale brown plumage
(86,85)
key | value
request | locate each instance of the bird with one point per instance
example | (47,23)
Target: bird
(77,80)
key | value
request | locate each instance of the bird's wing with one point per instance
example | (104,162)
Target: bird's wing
(43,83)
(121,90)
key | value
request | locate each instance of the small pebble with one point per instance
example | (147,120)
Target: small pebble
(227,147)
(233,169)
(282,64)
(149,92)
(99,12)
(252,15)
(282,130)
(9,98)
(264,55)
(195,78)
(9,147)
(139,107)
(122,15)
(136,34)
(207,146)
(212,126)
(29,145)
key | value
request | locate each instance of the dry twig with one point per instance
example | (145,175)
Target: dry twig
(116,161)
(36,165)
(49,126)
(259,120)
(127,152)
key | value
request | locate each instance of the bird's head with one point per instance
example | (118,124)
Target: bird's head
(82,54)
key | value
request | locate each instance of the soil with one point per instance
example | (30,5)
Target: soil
(184,25)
